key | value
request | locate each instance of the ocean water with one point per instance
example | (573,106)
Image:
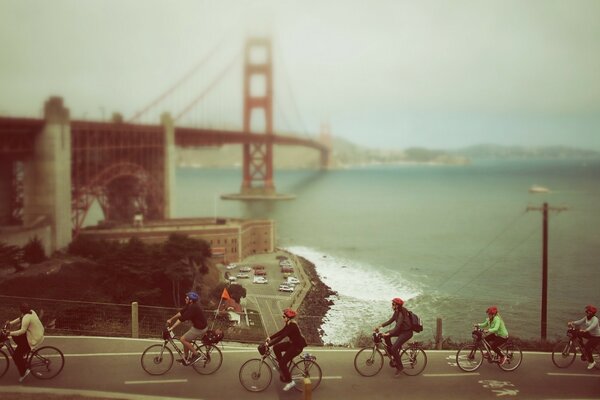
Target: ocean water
(450,240)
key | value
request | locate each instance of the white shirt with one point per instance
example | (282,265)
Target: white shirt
(589,325)
(32,327)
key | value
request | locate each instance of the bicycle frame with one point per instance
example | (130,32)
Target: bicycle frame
(481,343)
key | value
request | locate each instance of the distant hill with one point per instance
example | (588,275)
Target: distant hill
(344,154)
(493,151)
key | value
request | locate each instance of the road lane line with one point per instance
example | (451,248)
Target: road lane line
(567,374)
(449,375)
(163,381)
(331,377)
(85,393)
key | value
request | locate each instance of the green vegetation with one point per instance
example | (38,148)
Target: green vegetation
(103,271)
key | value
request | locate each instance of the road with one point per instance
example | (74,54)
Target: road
(111,366)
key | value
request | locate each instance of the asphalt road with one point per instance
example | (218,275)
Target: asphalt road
(110,367)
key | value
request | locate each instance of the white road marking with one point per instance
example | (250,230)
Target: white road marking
(152,382)
(567,374)
(459,374)
(331,377)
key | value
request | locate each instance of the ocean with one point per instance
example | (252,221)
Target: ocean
(449,240)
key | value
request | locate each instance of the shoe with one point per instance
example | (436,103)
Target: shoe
(289,386)
(398,372)
(28,371)
(181,361)
(194,358)
(502,360)
(590,365)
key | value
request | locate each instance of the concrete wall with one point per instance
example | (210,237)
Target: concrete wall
(170,162)
(47,178)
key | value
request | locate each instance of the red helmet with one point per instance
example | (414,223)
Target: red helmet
(591,308)
(492,310)
(289,313)
(398,301)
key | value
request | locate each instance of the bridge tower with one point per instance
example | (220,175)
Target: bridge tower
(326,139)
(258,96)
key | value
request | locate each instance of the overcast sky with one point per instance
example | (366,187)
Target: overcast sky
(438,74)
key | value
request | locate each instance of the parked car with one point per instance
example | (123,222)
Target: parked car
(260,279)
(260,272)
(258,267)
(242,275)
(245,268)
(231,266)
(285,270)
(285,288)
(293,280)
(231,278)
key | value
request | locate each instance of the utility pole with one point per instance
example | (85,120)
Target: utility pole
(545,208)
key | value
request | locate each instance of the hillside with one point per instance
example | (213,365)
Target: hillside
(493,151)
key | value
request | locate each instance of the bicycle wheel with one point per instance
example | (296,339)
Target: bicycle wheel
(469,357)
(413,361)
(211,359)
(306,369)
(595,356)
(368,361)
(563,354)
(4,363)
(255,375)
(514,357)
(46,362)
(157,359)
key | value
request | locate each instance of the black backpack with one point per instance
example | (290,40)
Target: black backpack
(416,324)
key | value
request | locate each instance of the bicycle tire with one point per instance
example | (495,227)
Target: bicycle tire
(46,362)
(563,354)
(4,363)
(211,361)
(596,356)
(255,375)
(157,359)
(413,363)
(514,357)
(306,369)
(368,361)
(469,357)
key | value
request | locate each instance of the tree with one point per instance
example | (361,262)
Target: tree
(10,257)
(33,251)
(184,251)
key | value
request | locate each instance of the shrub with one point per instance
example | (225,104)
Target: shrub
(33,251)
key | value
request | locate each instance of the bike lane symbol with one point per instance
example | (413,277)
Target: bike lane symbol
(500,388)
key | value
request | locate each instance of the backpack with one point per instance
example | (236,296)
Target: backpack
(415,322)
(212,337)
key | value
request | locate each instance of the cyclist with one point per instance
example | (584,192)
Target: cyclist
(402,330)
(291,347)
(30,334)
(590,330)
(496,330)
(192,311)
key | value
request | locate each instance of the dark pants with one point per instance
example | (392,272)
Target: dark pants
(20,352)
(495,342)
(291,351)
(592,341)
(403,337)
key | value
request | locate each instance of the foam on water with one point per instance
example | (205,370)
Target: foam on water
(364,293)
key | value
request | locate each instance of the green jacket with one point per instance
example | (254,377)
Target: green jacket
(495,326)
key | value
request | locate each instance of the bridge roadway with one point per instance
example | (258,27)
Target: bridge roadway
(110,368)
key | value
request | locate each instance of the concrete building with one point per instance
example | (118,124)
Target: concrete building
(231,240)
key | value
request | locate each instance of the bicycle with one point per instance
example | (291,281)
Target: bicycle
(564,353)
(44,363)
(470,356)
(256,374)
(158,358)
(369,360)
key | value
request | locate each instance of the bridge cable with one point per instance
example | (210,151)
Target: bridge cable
(209,88)
(289,86)
(181,81)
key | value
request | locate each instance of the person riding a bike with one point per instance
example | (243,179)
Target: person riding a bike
(402,330)
(496,331)
(589,329)
(30,335)
(286,351)
(192,311)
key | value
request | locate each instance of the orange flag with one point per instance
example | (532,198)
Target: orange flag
(225,294)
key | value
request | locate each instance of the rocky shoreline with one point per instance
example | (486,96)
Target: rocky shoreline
(315,305)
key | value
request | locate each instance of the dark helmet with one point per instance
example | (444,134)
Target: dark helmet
(398,301)
(193,296)
(590,308)
(492,310)
(289,313)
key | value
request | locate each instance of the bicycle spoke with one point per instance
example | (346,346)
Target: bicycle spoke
(46,362)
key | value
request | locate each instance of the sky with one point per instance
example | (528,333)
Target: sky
(381,73)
